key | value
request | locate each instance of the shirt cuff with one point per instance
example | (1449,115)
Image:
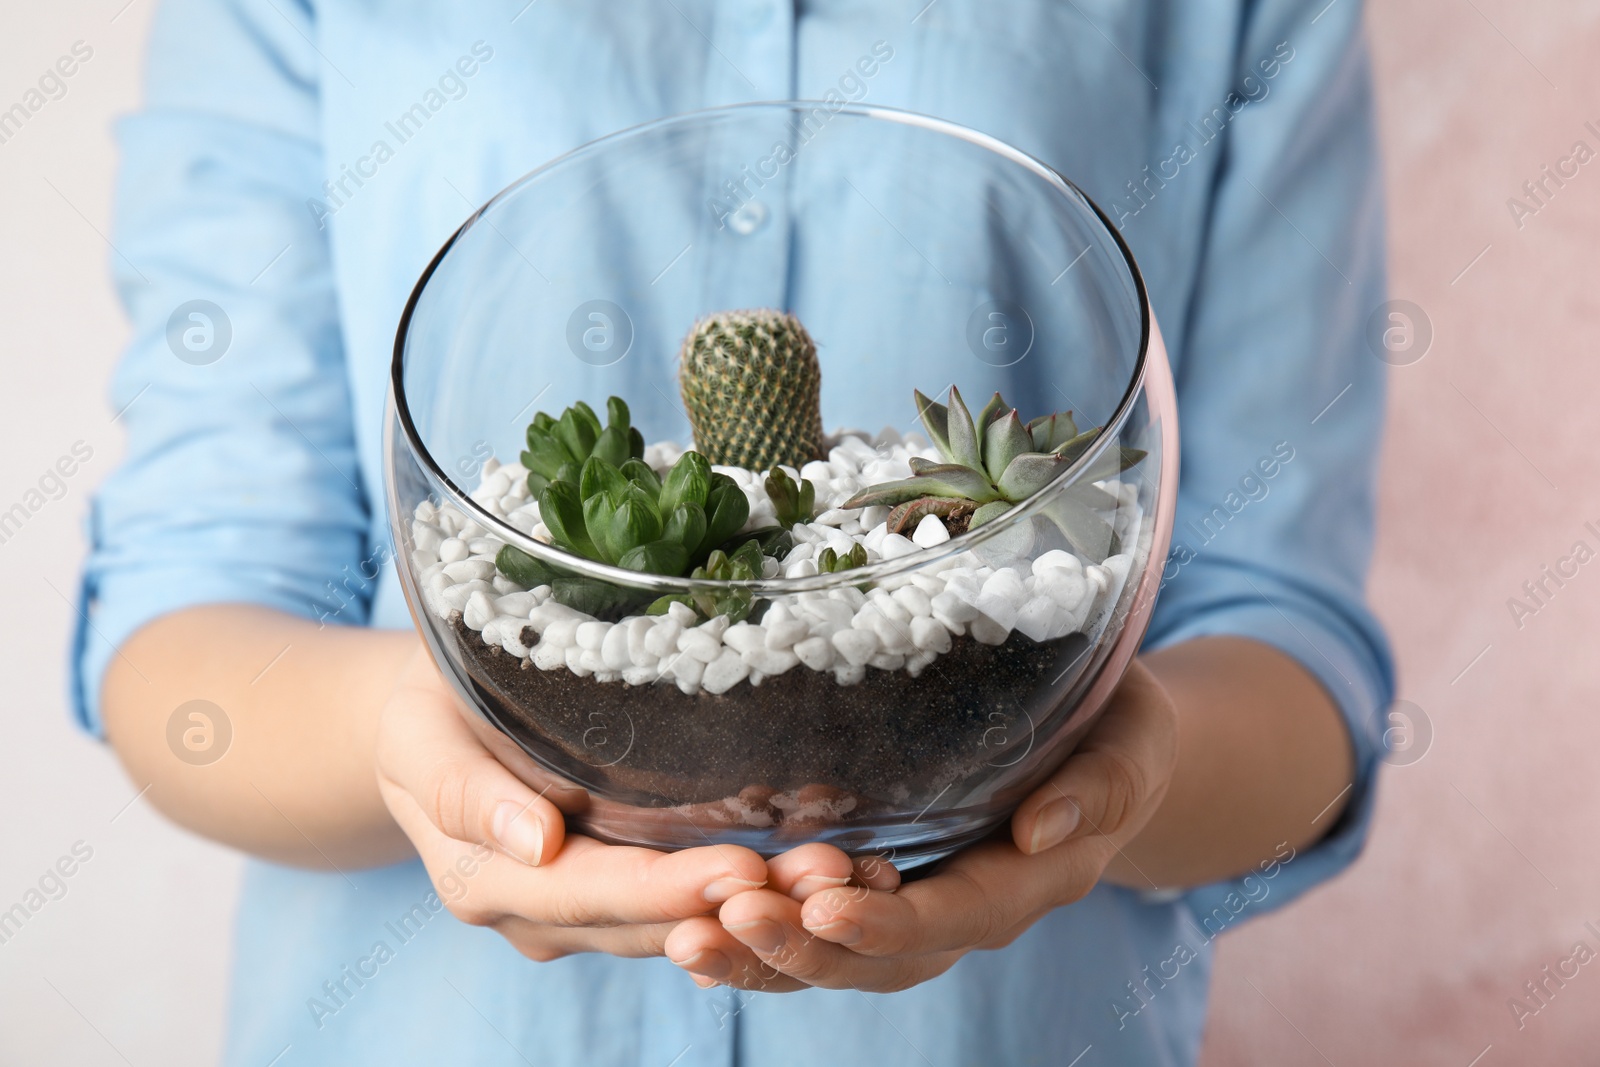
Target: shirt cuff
(1361,687)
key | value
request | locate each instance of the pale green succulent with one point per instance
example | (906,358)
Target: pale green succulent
(995,462)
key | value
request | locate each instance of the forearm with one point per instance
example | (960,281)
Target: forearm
(296,784)
(1264,758)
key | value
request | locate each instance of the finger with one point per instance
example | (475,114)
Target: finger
(545,943)
(426,749)
(877,872)
(1114,776)
(704,948)
(768,924)
(978,899)
(588,884)
(809,869)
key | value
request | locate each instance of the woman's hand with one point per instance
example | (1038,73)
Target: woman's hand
(498,853)
(876,937)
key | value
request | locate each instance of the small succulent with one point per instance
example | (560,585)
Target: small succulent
(630,517)
(752,387)
(744,564)
(793,502)
(558,448)
(994,462)
(831,562)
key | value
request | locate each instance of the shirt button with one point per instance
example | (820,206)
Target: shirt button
(749,217)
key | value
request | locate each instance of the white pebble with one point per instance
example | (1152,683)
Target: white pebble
(857,646)
(893,546)
(699,645)
(519,604)
(1037,618)
(770,661)
(639,628)
(1066,587)
(725,672)
(478,610)
(930,531)
(815,652)
(456,595)
(917,663)
(989,632)
(744,638)
(888,661)
(785,633)
(563,633)
(1002,597)
(803,569)
(549,657)
(875,536)
(422,559)
(913,600)
(930,635)
(849,673)
(662,638)
(468,570)
(426,536)
(574,657)
(688,671)
(1055,559)
(614,649)
(453,550)
(680,613)
(591,635)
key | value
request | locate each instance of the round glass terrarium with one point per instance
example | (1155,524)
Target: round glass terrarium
(903,706)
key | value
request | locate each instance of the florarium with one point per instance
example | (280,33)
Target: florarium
(770,628)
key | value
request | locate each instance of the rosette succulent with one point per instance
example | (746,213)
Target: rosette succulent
(558,448)
(993,463)
(622,513)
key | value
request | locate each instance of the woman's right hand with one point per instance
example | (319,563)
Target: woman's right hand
(498,853)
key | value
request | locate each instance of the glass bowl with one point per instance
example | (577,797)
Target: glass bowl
(918,254)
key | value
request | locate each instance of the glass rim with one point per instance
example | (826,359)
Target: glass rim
(400,413)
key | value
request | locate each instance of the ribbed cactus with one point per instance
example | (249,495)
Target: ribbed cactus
(753,389)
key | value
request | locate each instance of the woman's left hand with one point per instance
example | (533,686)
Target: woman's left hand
(867,932)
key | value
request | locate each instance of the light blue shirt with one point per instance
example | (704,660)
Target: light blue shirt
(1232,141)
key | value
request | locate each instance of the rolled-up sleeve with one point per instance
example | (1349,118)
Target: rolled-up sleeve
(240,481)
(1281,404)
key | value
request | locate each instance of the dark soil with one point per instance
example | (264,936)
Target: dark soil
(800,737)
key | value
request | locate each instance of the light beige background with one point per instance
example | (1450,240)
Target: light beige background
(1483,868)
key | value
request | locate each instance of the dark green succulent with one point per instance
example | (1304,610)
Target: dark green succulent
(629,517)
(558,448)
(792,501)
(993,463)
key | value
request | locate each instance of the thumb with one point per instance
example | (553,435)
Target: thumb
(1113,779)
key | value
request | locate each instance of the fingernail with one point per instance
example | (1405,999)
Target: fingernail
(709,963)
(703,982)
(816,883)
(763,935)
(724,888)
(519,833)
(840,931)
(1054,824)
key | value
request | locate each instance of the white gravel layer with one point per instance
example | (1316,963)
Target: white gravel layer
(902,625)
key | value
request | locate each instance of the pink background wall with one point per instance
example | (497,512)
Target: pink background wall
(1483,867)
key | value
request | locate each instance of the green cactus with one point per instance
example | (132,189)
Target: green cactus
(752,387)
(558,448)
(995,462)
